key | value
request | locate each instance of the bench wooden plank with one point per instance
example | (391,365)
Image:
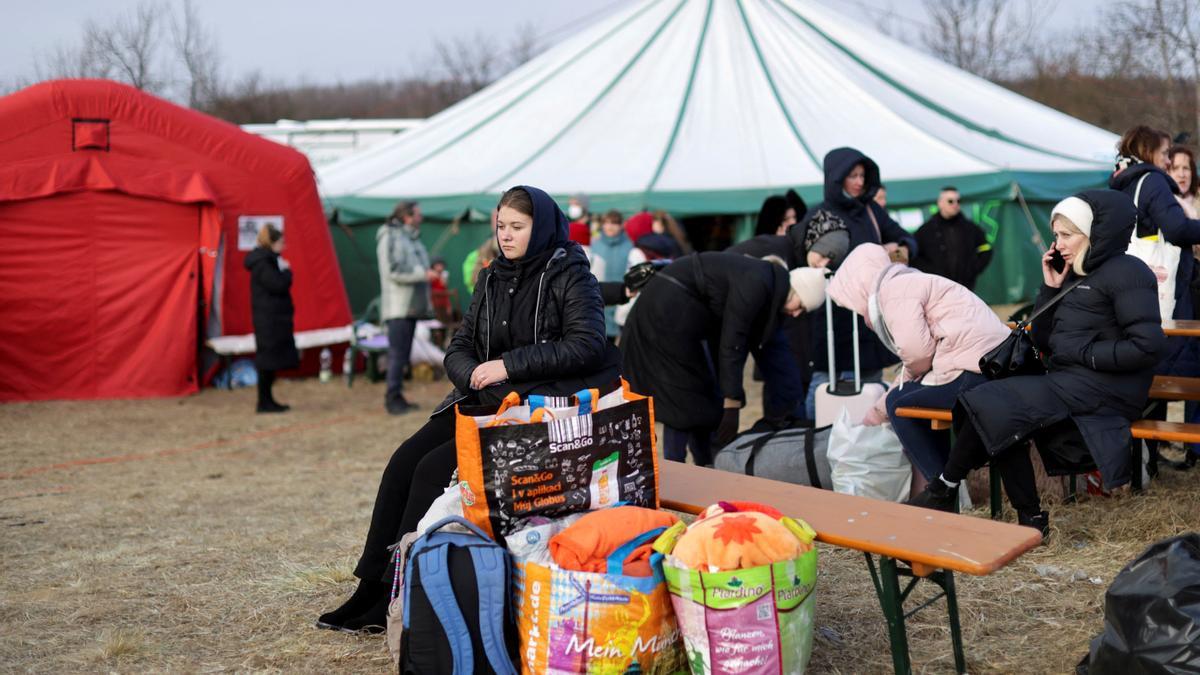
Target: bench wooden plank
(1184,328)
(1175,388)
(1150,430)
(1172,432)
(922,537)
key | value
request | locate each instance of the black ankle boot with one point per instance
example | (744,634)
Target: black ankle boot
(937,495)
(1039,521)
(373,621)
(370,592)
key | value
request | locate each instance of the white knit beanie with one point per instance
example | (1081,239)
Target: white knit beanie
(809,284)
(1077,211)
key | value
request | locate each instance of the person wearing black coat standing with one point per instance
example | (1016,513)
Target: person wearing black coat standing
(686,341)
(272,310)
(1142,172)
(1102,338)
(951,245)
(535,326)
(851,180)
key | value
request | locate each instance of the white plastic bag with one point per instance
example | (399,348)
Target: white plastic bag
(868,461)
(449,504)
(1161,257)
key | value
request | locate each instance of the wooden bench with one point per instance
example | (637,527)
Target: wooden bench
(1146,430)
(911,542)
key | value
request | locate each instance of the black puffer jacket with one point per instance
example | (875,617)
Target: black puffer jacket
(1103,338)
(707,313)
(542,315)
(788,247)
(856,213)
(272,310)
(1159,210)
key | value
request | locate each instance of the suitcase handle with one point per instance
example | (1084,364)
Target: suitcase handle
(831,387)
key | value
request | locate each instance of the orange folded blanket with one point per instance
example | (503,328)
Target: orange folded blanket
(586,545)
(736,540)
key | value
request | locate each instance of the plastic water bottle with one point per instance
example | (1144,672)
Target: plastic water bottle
(348,363)
(326,365)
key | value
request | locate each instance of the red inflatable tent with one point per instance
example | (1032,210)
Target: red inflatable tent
(120,216)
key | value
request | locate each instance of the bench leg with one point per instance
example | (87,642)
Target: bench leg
(960,658)
(892,597)
(888,586)
(1135,457)
(994,490)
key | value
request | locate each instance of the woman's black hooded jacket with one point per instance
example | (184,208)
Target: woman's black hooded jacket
(541,314)
(1103,339)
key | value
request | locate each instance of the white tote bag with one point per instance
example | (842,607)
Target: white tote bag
(1161,257)
(868,461)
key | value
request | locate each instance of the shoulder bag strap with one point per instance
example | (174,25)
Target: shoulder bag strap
(1048,305)
(755,448)
(878,231)
(1137,209)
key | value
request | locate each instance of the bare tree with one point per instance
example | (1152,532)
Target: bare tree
(1160,39)
(525,45)
(68,62)
(197,51)
(469,63)
(991,38)
(127,47)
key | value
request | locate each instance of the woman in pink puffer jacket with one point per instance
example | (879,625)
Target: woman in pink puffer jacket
(938,328)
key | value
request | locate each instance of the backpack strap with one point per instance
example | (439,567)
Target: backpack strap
(435,579)
(492,574)
(810,457)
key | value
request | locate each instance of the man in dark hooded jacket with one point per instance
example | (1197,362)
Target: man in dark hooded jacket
(1103,338)
(951,245)
(851,179)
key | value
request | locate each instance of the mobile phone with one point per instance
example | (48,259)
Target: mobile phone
(1057,263)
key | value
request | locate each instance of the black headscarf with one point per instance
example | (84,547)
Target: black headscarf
(550,233)
(771,214)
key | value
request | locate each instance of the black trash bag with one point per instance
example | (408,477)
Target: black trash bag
(1152,613)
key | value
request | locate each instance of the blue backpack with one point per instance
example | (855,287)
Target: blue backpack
(457,614)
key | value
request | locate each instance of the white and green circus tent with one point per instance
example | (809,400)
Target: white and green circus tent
(707,106)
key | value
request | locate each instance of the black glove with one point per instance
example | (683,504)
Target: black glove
(728,427)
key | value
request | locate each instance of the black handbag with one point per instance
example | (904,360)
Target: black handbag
(1017,355)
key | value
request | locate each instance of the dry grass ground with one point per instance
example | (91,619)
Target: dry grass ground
(192,535)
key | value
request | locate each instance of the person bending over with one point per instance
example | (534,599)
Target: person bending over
(689,334)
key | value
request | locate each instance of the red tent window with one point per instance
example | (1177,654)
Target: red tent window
(89,135)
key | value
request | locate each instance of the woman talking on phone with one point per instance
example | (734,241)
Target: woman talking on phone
(1101,337)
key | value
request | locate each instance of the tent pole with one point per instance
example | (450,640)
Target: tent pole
(1037,235)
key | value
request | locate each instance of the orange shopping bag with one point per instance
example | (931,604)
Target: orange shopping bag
(536,460)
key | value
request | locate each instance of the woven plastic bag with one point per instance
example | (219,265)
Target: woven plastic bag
(746,622)
(599,624)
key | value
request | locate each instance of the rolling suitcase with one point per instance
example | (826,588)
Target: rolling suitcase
(850,395)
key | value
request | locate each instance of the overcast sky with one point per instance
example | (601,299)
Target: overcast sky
(354,39)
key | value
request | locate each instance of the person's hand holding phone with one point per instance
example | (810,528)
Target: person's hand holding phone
(1054,268)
